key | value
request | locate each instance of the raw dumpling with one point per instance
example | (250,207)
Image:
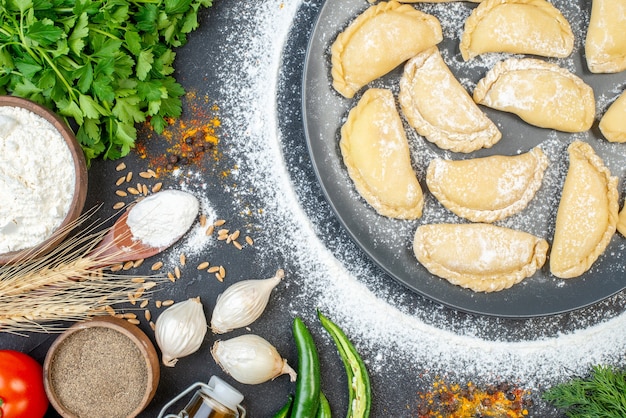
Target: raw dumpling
(375,150)
(605,45)
(481,257)
(490,188)
(541,93)
(430,1)
(621,221)
(587,214)
(613,123)
(440,109)
(377,41)
(519,27)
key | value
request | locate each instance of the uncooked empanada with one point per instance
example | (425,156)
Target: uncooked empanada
(377,41)
(613,123)
(519,27)
(376,152)
(541,93)
(621,221)
(587,214)
(440,109)
(430,1)
(490,188)
(481,257)
(605,45)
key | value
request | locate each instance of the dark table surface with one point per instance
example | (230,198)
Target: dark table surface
(213,65)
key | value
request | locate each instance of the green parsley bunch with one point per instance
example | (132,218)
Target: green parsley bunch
(104,65)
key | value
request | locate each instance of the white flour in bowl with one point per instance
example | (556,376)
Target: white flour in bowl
(37,179)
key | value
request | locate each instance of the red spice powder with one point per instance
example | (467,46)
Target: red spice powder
(454,401)
(191,139)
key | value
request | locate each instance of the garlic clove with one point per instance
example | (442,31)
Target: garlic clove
(250,359)
(243,303)
(180,330)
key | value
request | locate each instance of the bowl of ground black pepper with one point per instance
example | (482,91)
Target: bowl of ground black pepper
(43,179)
(101,368)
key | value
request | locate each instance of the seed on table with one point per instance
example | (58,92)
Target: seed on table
(132,190)
(202,220)
(139,293)
(171,277)
(219,277)
(129,176)
(137,263)
(222,271)
(119,316)
(145,174)
(120,167)
(132,299)
(209,230)
(128,265)
(235,235)
(130,315)
(158,303)
(149,285)
(177,272)
(237,245)
(119,205)
(147,314)
(138,280)
(183,259)
(219,222)
(249,240)
(152,326)
(213,269)
(133,321)
(121,193)
(144,189)
(120,181)
(116,267)
(168,302)
(157,187)
(203,265)
(152,172)
(157,265)
(144,303)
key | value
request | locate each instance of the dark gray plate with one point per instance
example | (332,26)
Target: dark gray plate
(388,242)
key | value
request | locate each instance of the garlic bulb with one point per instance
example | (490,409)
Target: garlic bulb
(242,303)
(180,330)
(250,359)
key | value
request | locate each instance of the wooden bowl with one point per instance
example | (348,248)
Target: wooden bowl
(132,332)
(80,185)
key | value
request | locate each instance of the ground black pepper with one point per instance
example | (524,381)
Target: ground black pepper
(99,373)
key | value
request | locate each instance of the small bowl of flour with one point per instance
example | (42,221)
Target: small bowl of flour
(43,179)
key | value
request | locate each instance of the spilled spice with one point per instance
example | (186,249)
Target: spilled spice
(454,401)
(190,139)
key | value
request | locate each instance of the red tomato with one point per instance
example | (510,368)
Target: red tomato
(22,394)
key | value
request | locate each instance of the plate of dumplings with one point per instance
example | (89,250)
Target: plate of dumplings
(476,150)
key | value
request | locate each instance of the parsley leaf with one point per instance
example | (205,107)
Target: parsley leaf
(104,65)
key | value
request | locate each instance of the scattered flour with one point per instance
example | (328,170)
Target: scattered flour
(387,322)
(37,179)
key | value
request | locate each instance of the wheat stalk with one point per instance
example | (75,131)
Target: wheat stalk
(40,293)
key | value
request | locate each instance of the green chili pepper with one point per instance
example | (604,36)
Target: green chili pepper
(323,411)
(285,410)
(359,387)
(307,397)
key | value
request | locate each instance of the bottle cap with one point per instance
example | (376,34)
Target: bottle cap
(225,393)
